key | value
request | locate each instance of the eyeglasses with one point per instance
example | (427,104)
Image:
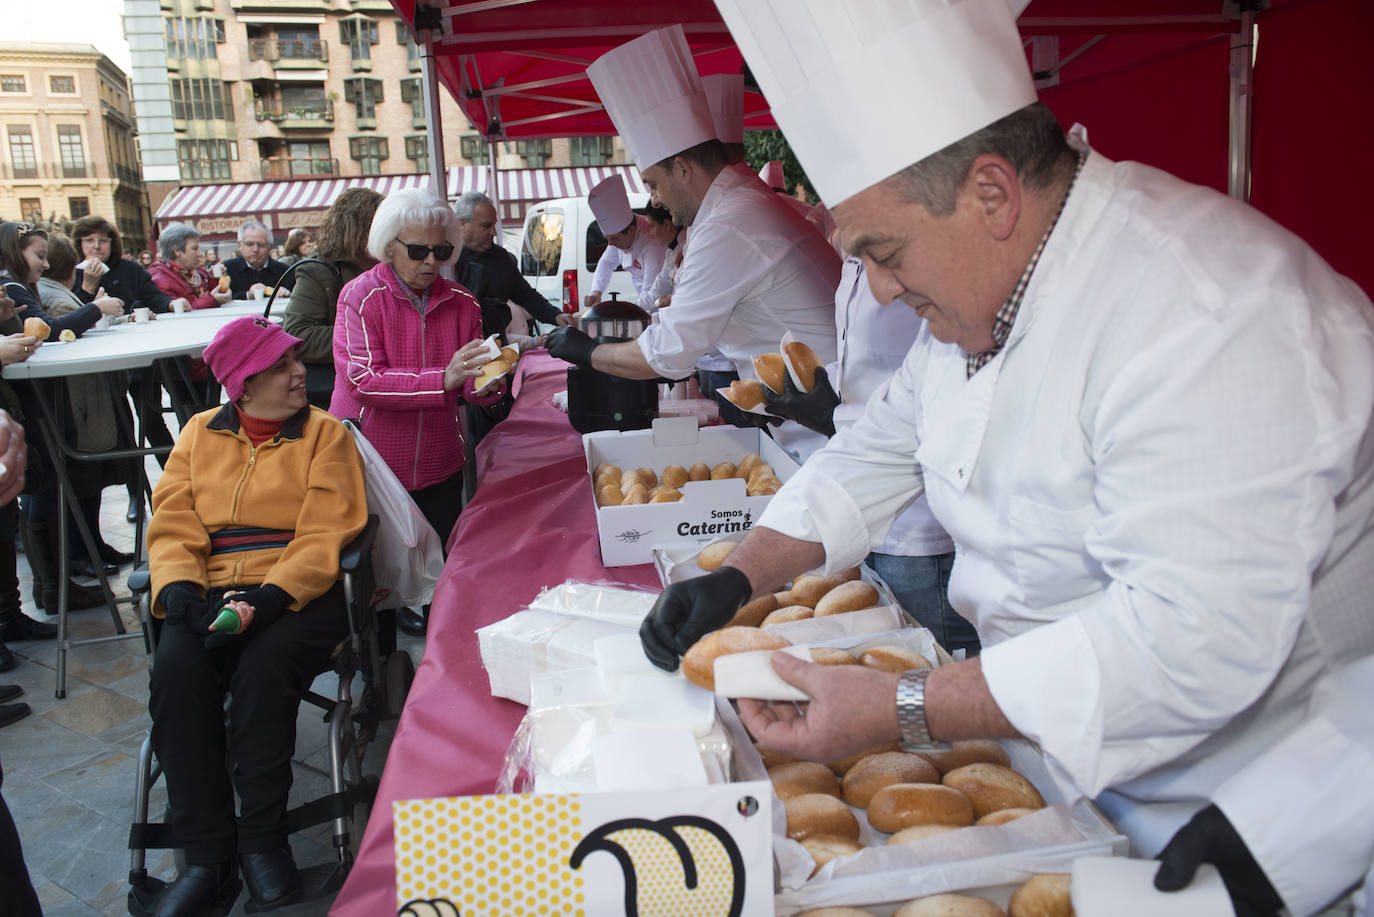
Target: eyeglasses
(252,245)
(416,252)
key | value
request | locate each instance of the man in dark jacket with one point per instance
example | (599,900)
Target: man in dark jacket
(500,278)
(252,271)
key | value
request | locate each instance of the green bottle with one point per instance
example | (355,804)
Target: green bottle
(227,621)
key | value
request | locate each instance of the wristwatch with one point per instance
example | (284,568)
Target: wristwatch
(911,713)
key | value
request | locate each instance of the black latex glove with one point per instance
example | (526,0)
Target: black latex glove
(1210,838)
(269,603)
(571,345)
(686,612)
(183,603)
(814,410)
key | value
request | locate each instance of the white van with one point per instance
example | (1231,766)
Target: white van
(559,248)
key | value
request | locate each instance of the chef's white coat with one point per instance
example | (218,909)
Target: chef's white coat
(1305,808)
(643,259)
(754,270)
(873,341)
(1161,491)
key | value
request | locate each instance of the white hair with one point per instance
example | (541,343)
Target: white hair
(404,209)
(254,224)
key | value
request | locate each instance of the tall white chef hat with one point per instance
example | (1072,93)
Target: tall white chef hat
(651,90)
(772,174)
(611,205)
(725,95)
(832,72)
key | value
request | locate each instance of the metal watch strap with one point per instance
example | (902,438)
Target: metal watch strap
(911,712)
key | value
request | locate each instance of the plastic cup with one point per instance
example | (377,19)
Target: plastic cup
(143,314)
(103,323)
(179,305)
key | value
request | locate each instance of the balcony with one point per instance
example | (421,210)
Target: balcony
(289,54)
(125,174)
(19,173)
(298,168)
(312,116)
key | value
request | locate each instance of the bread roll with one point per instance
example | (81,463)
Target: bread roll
(713,555)
(759,469)
(224,284)
(991,787)
(784,598)
(510,355)
(1043,895)
(744,393)
(665,494)
(786,614)
(850,596)
(699,662)
(770,370)
(747,465)
(902,805)
(1002,816)
(842,766)
(675,475)
(817,813)
(723,471)
(802,777)
(871,774)
(807,589)
(647,477)
(831,655)
(893,659)
(762,487)
(836,911)
(66,335)
(267,291)
(967,752)
(489,374)
(826,847)
(805,362)
(851,574)
(637,494)
(918,833)
(753,613)
(699,472)
(950,906)
(36,328)
(606,468)
(772,757)
(609,495)
(607,477)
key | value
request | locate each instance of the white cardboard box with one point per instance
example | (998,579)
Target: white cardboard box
(707,508)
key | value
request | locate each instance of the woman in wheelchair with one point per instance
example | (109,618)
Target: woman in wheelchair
(256,502)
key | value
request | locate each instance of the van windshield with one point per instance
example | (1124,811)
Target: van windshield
(543,246)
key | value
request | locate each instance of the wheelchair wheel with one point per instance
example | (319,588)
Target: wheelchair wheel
(400,672)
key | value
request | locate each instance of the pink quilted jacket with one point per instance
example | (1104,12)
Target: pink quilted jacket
(390,363)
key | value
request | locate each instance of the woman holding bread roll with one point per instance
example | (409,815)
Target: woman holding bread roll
(180,275)
(408,349)
(101,265)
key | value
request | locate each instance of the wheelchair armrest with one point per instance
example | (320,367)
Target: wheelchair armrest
(359,548)
(140,581)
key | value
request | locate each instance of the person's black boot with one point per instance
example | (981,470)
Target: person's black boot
(412,622)
(135,507)
(15,626)
(41,541)
(200,891)
(271,877)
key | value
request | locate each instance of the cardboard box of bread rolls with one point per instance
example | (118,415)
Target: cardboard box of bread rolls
(698,509)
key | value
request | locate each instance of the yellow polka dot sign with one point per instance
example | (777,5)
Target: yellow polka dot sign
(703,852)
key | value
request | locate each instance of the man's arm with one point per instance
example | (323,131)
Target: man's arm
(605,267)
(624,360)
(528,298)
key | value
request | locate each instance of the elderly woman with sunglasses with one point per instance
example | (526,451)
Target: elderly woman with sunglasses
(407,349)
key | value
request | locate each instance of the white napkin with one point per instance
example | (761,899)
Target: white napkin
(1122,887)
(621,656)
(751,675)
(659,760)
(661,701)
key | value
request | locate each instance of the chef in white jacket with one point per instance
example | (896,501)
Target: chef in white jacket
(1157,468)
(753,269)
(632,246)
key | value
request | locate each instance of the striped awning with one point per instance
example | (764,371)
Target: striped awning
(202,203)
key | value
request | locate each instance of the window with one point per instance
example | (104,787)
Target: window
(65,84)
(78,207)
(31,210)
(300,43)
(360,34)
(590,151)
(193,39)
(12,82)
(206,160)
(535,152)
(72,152)
(369,152)
(403,37)
(474,150)
(311,157)
(412,92)
(543,247)
(201,100)
(21,151)
(596,245)
(364,94)
(417,149)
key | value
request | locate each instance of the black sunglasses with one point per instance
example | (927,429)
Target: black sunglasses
(421,252)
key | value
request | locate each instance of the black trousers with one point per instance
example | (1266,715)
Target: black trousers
(265,676)
(441,503)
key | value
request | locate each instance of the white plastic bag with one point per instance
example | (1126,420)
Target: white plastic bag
(407,556)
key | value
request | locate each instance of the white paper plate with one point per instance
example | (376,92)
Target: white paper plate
(787,361)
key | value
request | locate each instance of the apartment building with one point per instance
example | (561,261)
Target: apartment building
(69,139)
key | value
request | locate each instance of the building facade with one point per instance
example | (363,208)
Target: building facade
(69,146)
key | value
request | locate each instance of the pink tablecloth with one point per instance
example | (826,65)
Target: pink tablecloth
(530,525)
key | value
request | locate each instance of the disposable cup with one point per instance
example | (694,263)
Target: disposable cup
(143,314)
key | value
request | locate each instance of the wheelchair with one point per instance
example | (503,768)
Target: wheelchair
(352,727)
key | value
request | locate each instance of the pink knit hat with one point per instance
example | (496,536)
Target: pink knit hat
(245,347)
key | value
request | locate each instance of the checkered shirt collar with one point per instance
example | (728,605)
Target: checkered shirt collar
(1006,316)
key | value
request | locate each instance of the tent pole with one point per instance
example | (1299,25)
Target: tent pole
(434,124)
(1242,106)
(493,186)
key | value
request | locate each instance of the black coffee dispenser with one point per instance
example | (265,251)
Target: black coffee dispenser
(598,401)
